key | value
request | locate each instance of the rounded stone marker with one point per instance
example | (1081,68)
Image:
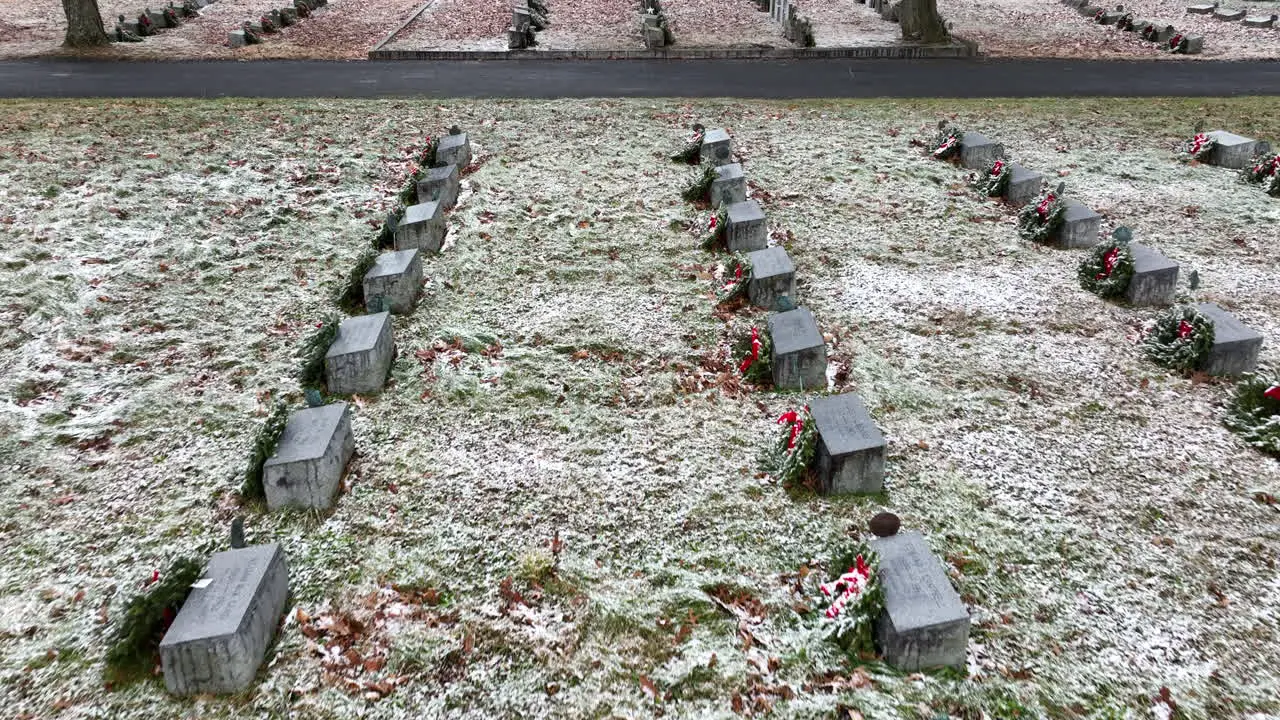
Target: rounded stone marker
(885,524)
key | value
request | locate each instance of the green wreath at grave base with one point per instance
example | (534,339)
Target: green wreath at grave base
(147,615)
(314,348)
(713,237)
(1032,227)
(1166,347)
(735,287)
(760,371)
(940,148)
(1260,169)
(700,187)
(264,445)
(1189,151)
(1252,414)
(1273,186)
(790,466)
(1093,275)
(854,629)
(992,183)
(350,294)
(691,153)
(1125,23)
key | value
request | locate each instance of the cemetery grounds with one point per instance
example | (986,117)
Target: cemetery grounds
(555,509)
(345,29)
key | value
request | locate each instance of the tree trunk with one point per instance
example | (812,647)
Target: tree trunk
(84,24)
(920,21)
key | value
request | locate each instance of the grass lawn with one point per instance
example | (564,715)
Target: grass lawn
(556,509)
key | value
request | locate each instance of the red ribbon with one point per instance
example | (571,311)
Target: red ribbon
(1272,392)
(1043,208)
(1108,263)
(1175,40)
(712,225)
(755,351)
(997,168)
(1184,329)
(792,418)
(1198,142)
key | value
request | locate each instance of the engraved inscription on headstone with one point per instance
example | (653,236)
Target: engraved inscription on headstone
(851,450)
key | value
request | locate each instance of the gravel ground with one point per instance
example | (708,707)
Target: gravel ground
(1094,514)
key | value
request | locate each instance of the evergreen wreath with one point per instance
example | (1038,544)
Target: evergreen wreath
(350,294)
(1108,269)
(1180,339)
(1039,221)
(1197,148)
(1125,22)
(946,144)
(264,445)
(1151,33)
(691,153)
(1273,185)
(737,270)
(1254,410)
(790,456)
(753,352)
(1260,169)
(713,235)
(700,187)
(995,182)
(1100,17)
(311,372)
(854,599)
(147,615)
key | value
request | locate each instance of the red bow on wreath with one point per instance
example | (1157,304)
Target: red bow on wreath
(755,352)
(1108,263)
(1043,208)
(1198,142)
(712,224)
(1184,329)
(797,425)
(1272,392)
(997,168)
(1175,41)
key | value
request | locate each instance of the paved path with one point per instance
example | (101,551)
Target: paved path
(639,78)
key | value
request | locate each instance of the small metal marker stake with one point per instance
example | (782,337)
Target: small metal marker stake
(1194,280)
(237,533)
(783,304)
(885,524)
(1062,189)
(1122,234)
(314,399)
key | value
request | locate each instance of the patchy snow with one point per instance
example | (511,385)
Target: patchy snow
(1092,510)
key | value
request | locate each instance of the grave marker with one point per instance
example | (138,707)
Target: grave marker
(1024,185)
(730,185)
(1235,346)
(799,352)
(360,356)
(394,281)
(1155,277)
(1234,151)
(454,149)
(1228,14)
(772,276)
(441,185)
(235,38)
(1080,226)
(219,638)
(744,227)
(310,458)
(422,227)
(1201,9)
(979,153)
(851,449)
(717,148)
(1260,21)
(924,623)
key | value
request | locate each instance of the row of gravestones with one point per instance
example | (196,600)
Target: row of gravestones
(1235,347)
(148,22)
(251,31)
(924,623)
(219,637)
(1163,34)
(796,28)
(527,18)
(1239,15)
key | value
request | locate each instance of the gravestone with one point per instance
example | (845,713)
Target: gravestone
(1155,277)
(157,18)
(799,352)
(220,636)
(288,16)
(772,276)
(274,16)
(924,623)
(851,450)
(1140,26)
(422,227)
(1163,32)
(1260,21)
(1195,45)
(256,26)
(1233,151)
(654,37)
(1235,346)
(360,356)
(441,185)
(744,227)
(309,459)
(979,153)
(1024,185)
(1080,226)
(132,27)
(1090,11)
(1201,9)
(454,149)
(236,39)
(717,148)
(394,281)
(516,39)
(1228,14)
(520,19)
(730,185)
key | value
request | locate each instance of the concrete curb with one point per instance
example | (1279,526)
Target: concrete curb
(959,49)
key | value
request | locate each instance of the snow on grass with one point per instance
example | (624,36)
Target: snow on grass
(1092,510)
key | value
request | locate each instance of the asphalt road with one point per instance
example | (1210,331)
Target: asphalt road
(804,78)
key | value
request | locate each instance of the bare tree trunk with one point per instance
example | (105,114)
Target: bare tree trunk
(920,21)
(84,24)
